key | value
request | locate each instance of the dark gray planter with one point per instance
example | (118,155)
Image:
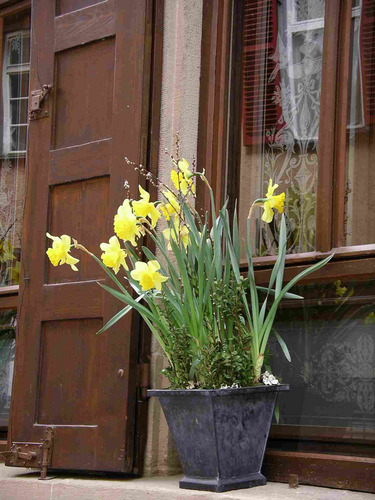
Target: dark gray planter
(220,434)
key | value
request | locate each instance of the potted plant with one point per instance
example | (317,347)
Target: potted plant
(212,321)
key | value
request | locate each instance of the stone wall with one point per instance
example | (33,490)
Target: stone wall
(179,114)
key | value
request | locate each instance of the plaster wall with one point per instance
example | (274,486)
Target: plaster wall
(179,115)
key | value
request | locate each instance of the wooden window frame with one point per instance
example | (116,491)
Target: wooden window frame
(9,294)
(219,110)
(219,140)
(7,71)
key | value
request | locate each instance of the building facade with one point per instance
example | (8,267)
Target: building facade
(248,90)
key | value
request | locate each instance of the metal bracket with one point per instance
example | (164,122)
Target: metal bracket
(37,98)
(33,455)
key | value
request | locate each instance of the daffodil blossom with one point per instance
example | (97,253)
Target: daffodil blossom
(114,256)
(171,208)
(183,166)
(59,253)
(182,180)
(272,201)
(144,208)
(126,224)
(6,251)
(148,276)
(180,230)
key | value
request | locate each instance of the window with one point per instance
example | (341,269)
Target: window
(15,91)
(8,319)
(305,71)
(14,87)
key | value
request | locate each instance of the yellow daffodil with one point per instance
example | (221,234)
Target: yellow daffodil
(126,225)
(182,180)
(273,201)
(147,275)
(183,166)
(144,208)
(6,251)
(114,256)
(14,273)
(180,230)
(170,208)
(59,253)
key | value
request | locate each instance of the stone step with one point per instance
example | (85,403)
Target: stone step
(17,484)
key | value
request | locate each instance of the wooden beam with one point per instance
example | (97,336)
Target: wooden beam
(321,469)
(326,146)
(342,86)
(212,128)
(14,8)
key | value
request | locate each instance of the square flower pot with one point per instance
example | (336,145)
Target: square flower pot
(220,434)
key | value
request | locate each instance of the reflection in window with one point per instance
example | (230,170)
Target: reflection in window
(282,65)
(7,346)
(15,90)
(331,338)
(359,226)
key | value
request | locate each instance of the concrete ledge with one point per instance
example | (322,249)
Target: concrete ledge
(17,484)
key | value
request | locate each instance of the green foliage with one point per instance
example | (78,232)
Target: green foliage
(212,322)
(224,359)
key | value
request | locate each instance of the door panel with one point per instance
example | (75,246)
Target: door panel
(84,100)
(66,377)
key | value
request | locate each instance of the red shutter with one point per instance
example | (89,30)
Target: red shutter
(367,47)
(260,112)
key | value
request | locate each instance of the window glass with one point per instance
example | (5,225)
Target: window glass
(15,91)
(359,221)
(282,69)
(331,339)
(7,346)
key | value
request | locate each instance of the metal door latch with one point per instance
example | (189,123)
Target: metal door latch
(33,455)
(37,98)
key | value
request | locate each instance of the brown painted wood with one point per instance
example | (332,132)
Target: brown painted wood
(349,262)
(322,433)
(1,68)
(84,26)
(341,120)
(3,447)
(358,269)
(65,375)
(342,253)
(93,159)
(67,300)
(318,469)
(10,9)
(9,302)
(212,128)
(324,220)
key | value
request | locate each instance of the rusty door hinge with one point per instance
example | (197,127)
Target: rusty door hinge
(33,455)
(37,98)
(143,380)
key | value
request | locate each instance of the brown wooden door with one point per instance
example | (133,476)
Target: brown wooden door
(94,55)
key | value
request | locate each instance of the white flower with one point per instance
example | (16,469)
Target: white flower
(269,379)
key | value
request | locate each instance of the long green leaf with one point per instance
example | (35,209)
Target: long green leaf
(283,345)
(272,313)
(109,273)
(271,291)
(282,250)
(128,299)
(118,316)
